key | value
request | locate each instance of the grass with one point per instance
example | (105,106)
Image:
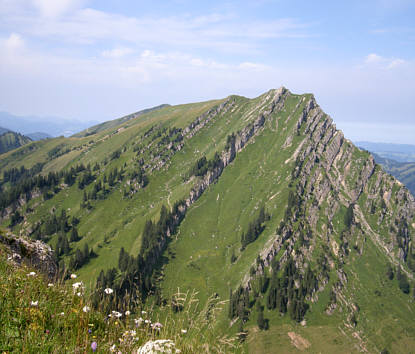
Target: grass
(40,316)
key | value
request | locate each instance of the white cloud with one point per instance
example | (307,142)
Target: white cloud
(54,84)
(70,22)
(373,58)
(388,63)
(117,52)
(55,8)
(14,42)
(396,62)
(253,66)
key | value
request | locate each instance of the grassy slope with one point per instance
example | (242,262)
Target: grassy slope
(116,221)
(116,122)
(59,322)
(200,253)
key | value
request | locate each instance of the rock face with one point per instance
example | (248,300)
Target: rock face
(333,175)
(34,253)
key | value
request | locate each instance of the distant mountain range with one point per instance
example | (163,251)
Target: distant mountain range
(48,126)
(397,152)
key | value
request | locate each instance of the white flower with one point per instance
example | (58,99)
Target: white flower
(113,348)
(133,333)
(116,314)
(127,313)
(108,291)
(158,346)
(50,285)
(34,303)
(73,276)
(143,312)
(147,321)
(86,309)
(184,331)
(77,285)
(31,274)
(79,294)
(62,313)
(138,321)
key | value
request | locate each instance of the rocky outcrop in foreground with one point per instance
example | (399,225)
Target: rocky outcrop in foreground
(34,253)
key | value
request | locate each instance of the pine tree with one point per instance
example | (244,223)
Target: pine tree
(74,235)
(348,219)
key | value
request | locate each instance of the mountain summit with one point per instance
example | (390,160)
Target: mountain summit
(261,202)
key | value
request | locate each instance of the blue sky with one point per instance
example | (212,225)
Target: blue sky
(101,59)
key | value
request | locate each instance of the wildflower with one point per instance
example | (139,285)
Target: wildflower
(77,285)
(73,276)
(113,348)
(34,303)
(143,312)
(94,346)
(147,321)
(79,294)
(138,322)
(116,314)
(127,313)
(158,346)
(31,274)
(108,291)
(50,285)
(157,326)
(47,331)
(86,309)
(184,331)
(62,313)
(133,333)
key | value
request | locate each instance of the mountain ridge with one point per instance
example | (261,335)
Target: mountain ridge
(180,188)
(116,122)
